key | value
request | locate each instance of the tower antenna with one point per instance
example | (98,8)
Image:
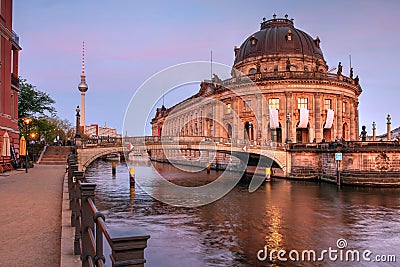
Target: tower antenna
(350,60)
(83,58)
(211,67)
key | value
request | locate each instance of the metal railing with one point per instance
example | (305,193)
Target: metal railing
(109,141)
(282,75)
(14,80)
(196,140)
(347,146)
(127,245)
(15,37)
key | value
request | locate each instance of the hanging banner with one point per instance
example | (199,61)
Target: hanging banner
(303,118)
(329,119)
(273,118)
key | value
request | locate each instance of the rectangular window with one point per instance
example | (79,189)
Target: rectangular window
(247,105)
(327,104)
(12,106)
(273,103)
(344,107)
(228,108)
(302,103)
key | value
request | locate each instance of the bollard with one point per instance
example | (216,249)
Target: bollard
(208,167)
(114,168)
(132,177)
(267,174)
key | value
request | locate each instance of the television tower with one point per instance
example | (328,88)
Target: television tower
(83,87)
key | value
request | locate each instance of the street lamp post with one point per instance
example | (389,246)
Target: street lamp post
(78,141)
(27,122)
(33,138)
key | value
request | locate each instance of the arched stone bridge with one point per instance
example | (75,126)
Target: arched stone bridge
(93,149)
(365,163)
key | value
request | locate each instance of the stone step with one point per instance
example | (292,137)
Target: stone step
(55,155)
(53,163)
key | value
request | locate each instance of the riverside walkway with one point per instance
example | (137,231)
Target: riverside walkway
(30,216)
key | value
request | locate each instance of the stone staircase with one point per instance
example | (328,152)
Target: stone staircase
(55,155)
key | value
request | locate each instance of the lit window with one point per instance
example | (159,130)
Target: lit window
(328,104)
(253,40)
(228,108)
(344,107)
(289,36)
(302,103)
(273,103)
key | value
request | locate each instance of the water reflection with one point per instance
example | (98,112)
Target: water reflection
(229,232)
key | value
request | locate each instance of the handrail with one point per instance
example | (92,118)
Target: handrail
(90,227)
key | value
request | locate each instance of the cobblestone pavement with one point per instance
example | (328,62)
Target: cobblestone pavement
(30,216)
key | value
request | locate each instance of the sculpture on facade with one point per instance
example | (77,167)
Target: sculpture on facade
(363,133)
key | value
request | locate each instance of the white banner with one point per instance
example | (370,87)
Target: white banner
(273,118)
(329,119)
(303,118)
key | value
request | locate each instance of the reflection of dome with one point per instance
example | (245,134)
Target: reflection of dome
(279,36)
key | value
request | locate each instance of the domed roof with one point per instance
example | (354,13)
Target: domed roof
(278,36)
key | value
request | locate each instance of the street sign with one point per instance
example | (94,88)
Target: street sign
(130,146)
(338,156)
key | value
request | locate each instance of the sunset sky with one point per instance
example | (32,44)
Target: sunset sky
(128,41)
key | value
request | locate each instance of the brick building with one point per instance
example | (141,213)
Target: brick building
(9,82)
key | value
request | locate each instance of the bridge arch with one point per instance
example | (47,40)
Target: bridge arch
(87,155)
(254,158)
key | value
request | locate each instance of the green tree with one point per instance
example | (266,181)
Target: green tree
(38,106)
(32,102)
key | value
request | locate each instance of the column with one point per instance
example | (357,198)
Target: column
(318,129)
(312,119)
(83,123)
(257,113)
(389,131)
(353,130)
(290,129)
(264,118)
(339,118)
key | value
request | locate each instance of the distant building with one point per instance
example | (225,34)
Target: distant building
(9,82)
(297,99)
(94,130)
(107,131)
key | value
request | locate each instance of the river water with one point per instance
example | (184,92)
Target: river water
(280,215)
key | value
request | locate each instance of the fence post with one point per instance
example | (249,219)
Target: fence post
(75,208)
(127,246)
(76,212)
(87,223)
(72,167)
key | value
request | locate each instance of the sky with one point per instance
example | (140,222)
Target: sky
(128,41)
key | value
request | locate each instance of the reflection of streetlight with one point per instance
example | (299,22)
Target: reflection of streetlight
(27,122)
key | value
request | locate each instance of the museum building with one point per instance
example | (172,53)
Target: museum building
(298,98)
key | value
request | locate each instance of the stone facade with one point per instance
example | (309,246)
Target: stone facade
(278,67)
